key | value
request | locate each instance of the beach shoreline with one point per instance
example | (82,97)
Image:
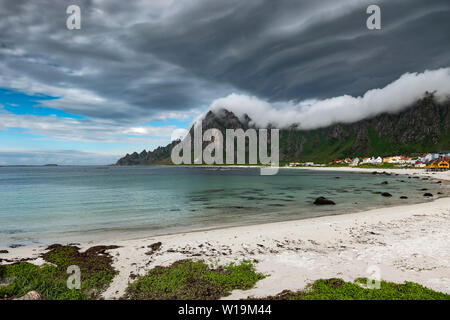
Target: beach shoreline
(405,243)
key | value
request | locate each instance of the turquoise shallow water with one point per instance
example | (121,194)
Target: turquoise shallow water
(39,205)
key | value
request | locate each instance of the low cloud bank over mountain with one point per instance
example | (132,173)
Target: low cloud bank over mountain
(313,114)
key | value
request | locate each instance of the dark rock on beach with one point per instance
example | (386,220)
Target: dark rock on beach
(154,247)
(403,197)
(427,194)
(386,194)
(323,201)
(4,251)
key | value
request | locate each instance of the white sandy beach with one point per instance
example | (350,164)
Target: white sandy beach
(405,243)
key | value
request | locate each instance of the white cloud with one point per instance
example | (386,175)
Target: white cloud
(86,130)
(311,114)
(151,131)
(178,134)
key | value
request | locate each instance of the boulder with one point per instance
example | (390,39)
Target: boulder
(427,194)
(324,201)
(386,194)
(403,197)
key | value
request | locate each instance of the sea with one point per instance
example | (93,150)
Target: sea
(64,204)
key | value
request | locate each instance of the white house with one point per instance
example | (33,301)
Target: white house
(376,161)
(355,162)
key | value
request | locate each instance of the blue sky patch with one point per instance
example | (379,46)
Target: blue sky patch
(23,104)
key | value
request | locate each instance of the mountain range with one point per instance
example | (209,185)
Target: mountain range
(422,127)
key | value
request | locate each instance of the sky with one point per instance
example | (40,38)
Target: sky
(138,70)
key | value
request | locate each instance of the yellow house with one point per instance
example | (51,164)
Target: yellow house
(444,164)
(440,164)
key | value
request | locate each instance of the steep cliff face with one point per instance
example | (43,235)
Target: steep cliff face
(424,127)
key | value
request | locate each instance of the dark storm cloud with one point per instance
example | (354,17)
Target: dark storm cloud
(325,54)
(142,59)
(92,70)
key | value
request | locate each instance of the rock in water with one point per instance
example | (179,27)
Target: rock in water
(427,194)
(403,197)
(32,295)
(384,182)
(323,201)
(386,194)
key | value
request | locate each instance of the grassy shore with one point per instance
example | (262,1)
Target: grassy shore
(193,280)
(338,289)
(50,279)
(183,280)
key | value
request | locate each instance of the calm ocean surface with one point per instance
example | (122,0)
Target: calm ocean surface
(39,205)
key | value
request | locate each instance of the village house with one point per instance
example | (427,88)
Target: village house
(419,164)
(376,161)
(440,164)
(397,160)
(354,162)
(365,160)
